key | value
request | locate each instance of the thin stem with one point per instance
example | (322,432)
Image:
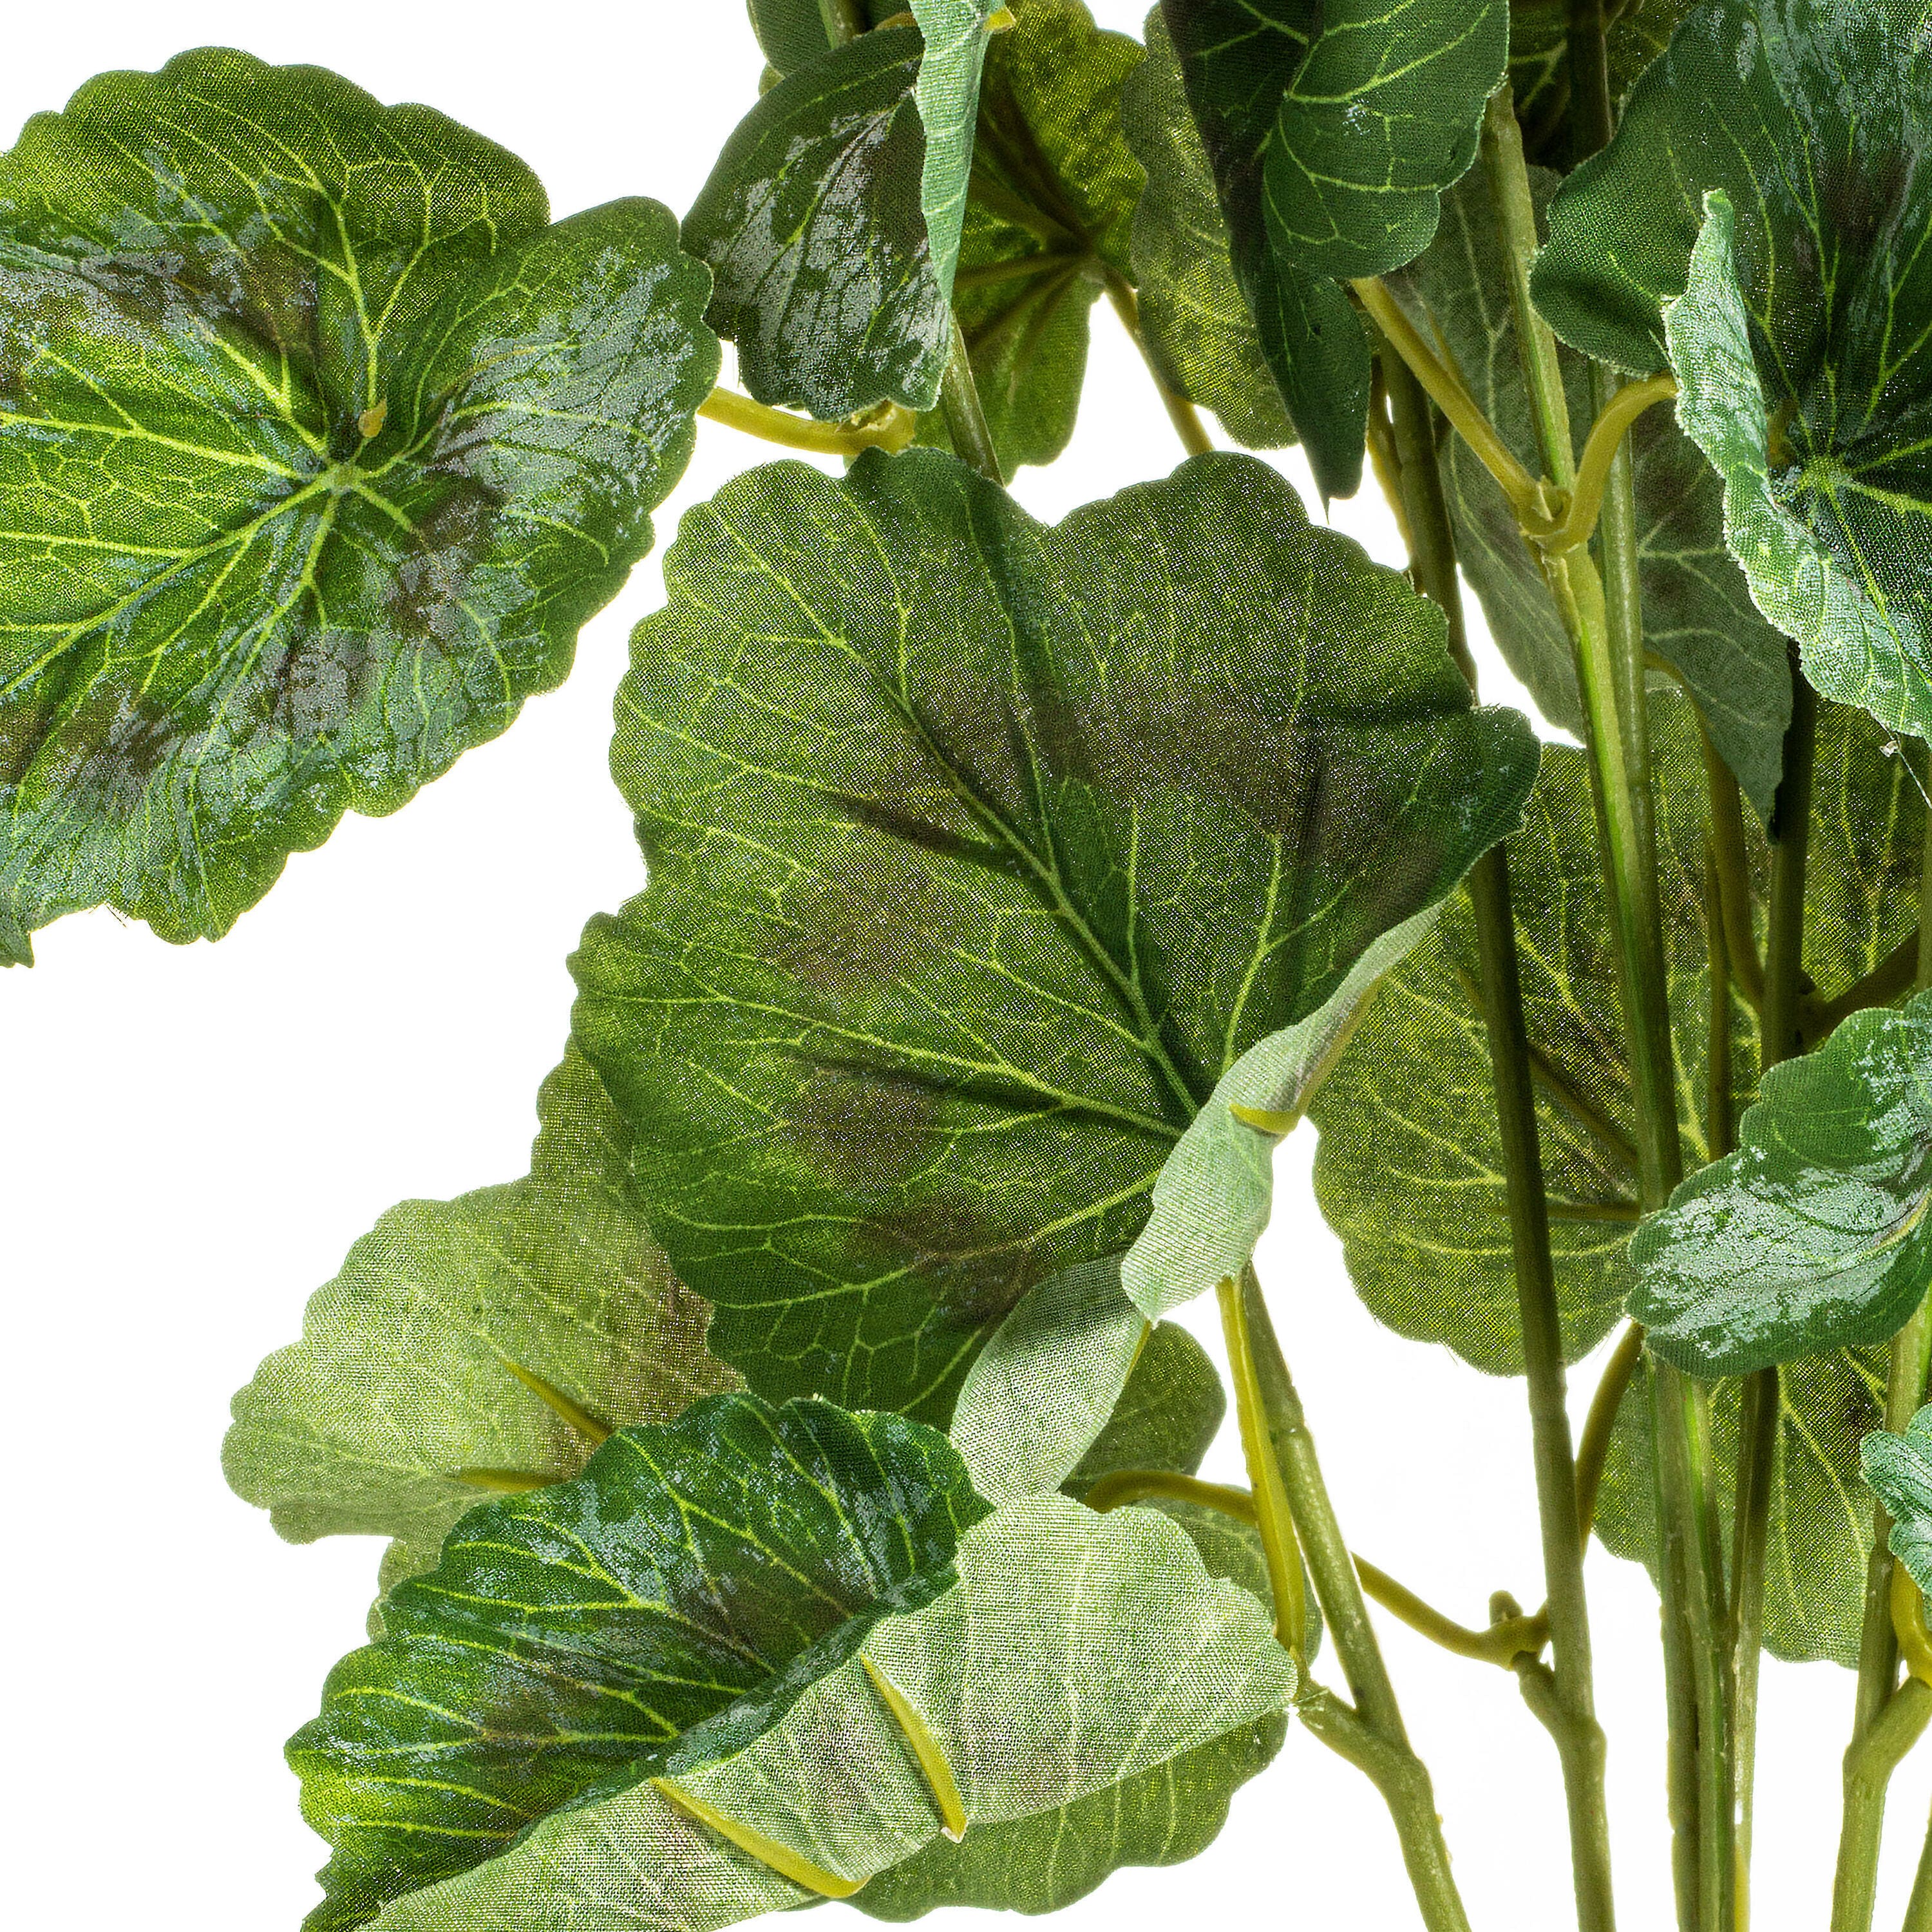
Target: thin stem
(1578,1737)
(1720,1104)
(1500,1643)
(844,19)
(1185,418)
(892,431)
(1918,1907)
(1601,450)
(1894,976)
(1591,123)
(1372,1736)
(1784,936)
(965,420)
(1869,1764)
(1445,388)
(1268,1498)
(1727,844)
(1908,1623)
(1593,1446)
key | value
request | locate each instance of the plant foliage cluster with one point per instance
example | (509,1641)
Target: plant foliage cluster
(791,1482)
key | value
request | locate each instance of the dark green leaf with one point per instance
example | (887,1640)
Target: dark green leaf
(1048,225)
(721,1622)
(1332,130)
(693,1579)
(831,221)
(1820,1522)
(1199,335)
(1698,613)
(1799,315)
(317,447)
(955,922)
(1814,1235)
(1899,1468)
(404,1377)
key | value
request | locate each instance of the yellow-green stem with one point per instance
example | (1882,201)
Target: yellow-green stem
(1185,418)
(892,431)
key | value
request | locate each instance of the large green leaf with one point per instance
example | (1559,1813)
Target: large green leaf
(1332,130)
(1799,315)
(1047,224)
(697,1574)
(573,1650)
(1409,1171)
(317,446)
(1698,614)
(415,1362)
(1199,333)
(979,851)
(831,221)
(1813,1235)
(1818,1533)
(1899,1468)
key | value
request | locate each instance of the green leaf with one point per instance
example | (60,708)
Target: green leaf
(953,925)
(1047,1381)
(1820,1520)
(1409,1169)
(1216,1194)
(1167,1418)
(544,1710)
(831,221)
(1813,1235)
(1048,225)
(1332,131)
(1163,1817)
(317,446)
(1797,316)
(1200,337)
(693,1579)
(412,1366)
(1899,1468)
(1698,617)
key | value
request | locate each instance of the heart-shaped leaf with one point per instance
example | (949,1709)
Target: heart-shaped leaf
(739,1648)
(1698,617)
(832,222)
(1798,317)
(1332,130)
(1814,1235)
(1199,333)
(1048,225)
(460,1338)
(979,851)
(317,446)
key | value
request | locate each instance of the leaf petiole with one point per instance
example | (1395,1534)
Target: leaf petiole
(890,428)
(781,1859)
(924,1747)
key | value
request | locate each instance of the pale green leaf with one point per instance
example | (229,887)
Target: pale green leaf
(1899,1468)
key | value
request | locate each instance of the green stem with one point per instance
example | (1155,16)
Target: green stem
(1784,936)
(845,20)
(1863,1827)
(1720,1102)
(1185,418)
(1590,114)
(1372,1736)
(1869,1764)
(1269,1500)
(1603,618)
(1734,887)
(1578,1736)
(965,420)
(892,431)
(1918,1907)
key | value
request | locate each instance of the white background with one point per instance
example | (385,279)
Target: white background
(192,1137)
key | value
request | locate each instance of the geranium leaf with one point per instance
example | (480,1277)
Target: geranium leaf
(831,221)
(417,1361)
(1049,222)
(317,446)
(560,1702)
(1899,1468)
(1795,316)
(1814,1235)
(953,925)
(1698,617)
(693,1579)
(1332,130)
(1819,1522)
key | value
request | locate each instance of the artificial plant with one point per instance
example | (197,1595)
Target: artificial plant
(791,1483)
